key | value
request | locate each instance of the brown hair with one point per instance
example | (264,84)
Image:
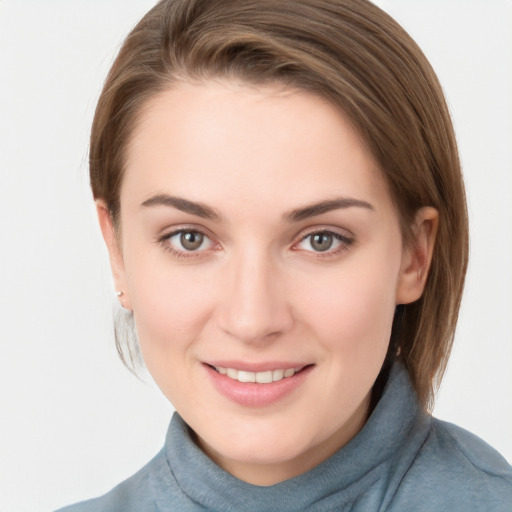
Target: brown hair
(352,54)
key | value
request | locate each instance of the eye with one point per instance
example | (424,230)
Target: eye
(324,242)
(190,240)
(186,241)
(321,241)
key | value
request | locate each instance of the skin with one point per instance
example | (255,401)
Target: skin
(257,289)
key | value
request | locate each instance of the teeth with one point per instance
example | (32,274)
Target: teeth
(277,375)
(259,377)
(263,377)
(246,376)
(232,373)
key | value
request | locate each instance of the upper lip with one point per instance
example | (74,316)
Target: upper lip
(256,367)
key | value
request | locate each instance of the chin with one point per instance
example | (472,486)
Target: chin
(256,442)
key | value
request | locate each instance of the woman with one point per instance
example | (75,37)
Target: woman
(279,189)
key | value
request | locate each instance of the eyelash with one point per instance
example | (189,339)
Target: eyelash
(164,241)
(344,243)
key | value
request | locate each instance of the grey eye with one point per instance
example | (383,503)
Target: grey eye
(321,241)
(191,240)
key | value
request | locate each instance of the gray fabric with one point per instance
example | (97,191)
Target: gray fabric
(402,460)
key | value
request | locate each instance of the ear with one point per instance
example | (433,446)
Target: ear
(115,254)
(417,256)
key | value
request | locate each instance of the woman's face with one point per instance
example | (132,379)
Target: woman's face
(259,243)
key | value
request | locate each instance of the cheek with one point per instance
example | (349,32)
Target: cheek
(351,308)
(167,310)
(169,320)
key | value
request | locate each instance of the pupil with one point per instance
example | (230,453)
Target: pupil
(321,241)
(191,240)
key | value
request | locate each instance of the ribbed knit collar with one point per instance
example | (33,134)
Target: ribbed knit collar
(369,460)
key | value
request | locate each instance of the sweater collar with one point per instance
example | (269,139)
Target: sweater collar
(397,420)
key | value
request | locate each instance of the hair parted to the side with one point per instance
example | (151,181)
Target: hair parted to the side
(358,58)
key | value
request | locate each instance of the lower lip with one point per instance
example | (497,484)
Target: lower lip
(251,394)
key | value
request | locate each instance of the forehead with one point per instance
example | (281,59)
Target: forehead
(269,143)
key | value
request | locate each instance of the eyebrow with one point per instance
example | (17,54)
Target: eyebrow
(325,206)
(299,214)
(184,205)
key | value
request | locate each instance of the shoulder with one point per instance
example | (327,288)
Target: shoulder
(455,470)
(466,455)
(478,454)
(134,494)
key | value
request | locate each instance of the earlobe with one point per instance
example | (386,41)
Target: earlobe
(417,257)
(114,250)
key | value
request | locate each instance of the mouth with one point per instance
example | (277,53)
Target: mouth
(257,385)
(264,377)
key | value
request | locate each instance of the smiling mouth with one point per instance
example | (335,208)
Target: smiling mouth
(265,377)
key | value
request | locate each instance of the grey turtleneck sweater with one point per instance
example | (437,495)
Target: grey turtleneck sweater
(402,460)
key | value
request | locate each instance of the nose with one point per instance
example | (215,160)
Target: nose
(255,307)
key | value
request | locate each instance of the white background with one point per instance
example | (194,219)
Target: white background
(73,421)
